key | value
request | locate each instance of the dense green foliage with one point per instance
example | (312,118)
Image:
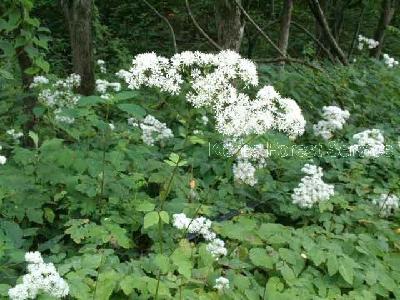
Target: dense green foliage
(98,202)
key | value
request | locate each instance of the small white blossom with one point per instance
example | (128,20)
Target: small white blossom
(389,61)
(38,80)
(154,131)
(3,160)
(204,120)
(201,226)
(363,41)
(102,66)
(112,126)
(103,85)
(244,172)
(221,283)
(15,135)
(217,248)
(41,278)
(333,119)
(312,189)
(387,204)
(370,143)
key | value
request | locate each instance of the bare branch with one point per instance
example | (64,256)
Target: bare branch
(259,29)
(301,27)
(199,27)
(166,21)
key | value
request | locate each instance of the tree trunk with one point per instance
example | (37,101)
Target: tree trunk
(388,9)
(78,14)
(286,18)
(25,62)
(323,23)
(230,26)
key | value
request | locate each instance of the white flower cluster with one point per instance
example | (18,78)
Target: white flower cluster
(152,130)
(3,159)
(213,79)
(102,66)
(249,159)
(201,226)
(38,80)
(312,189)
(14,134)
(59,95)
(103,85)
(389,61)
(244,172)
(221,283)
(363,41)
(370,143)
(42,278)
(387,204)
(333,119)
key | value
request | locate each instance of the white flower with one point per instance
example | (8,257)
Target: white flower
(112,126)
(221,283)
(363,41)
(387,204)
(15,135)
(180,221)
(102,65)
(213,79)
(38,80)
(133,122)
(61,95)
(33,257)
(217,248)
(41,278)
(201,226)
(103,85)
(154,131)
(333,119)
(370,143)
(312,189)
(389,61)
(3,160)
(204,120)
(244,172)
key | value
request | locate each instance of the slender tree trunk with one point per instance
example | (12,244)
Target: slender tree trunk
(388,9)
(78,14)
(25,62)
(230,26)
(320,17)
(356,32)
(286,18)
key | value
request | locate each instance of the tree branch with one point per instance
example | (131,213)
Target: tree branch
(301,27)
(320,17)
(259,29)
(166,21)
(199,27)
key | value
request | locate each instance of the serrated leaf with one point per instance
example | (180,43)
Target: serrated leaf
(260,258)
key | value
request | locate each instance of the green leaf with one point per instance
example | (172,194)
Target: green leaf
(346,270)
(151,219)
(332,264)
(164,217)
(106,283)
(162,262)
(145,206)
(132,109)
(260,258)
(126,95)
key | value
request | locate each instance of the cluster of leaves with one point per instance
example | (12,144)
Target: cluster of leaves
(98,202)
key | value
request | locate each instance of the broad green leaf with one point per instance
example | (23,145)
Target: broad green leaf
(151,219)
(164,217)
(260,258)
